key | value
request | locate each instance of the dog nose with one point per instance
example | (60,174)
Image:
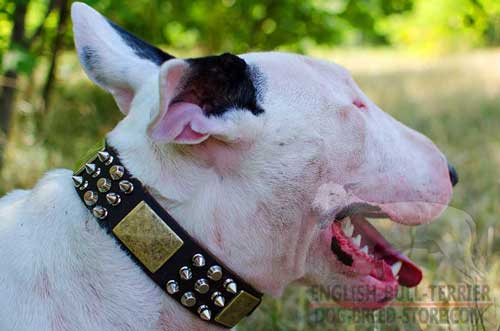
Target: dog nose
(453,174)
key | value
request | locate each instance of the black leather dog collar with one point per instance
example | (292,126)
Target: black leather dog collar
(158,244)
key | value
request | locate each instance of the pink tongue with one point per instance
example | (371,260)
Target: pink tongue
(410,274)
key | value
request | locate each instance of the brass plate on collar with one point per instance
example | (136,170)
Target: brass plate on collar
(242,305)
(145,234)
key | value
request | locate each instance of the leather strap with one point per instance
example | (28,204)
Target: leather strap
(159,245)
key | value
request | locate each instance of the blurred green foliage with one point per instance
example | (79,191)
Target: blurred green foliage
(214,26)
(243,25)
(444,25)
(240,26)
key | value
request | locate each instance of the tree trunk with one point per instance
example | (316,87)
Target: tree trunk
(8,94)
(56,47)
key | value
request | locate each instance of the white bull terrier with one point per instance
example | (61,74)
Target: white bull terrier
(270,161)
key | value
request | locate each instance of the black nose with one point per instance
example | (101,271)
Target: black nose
(453,174)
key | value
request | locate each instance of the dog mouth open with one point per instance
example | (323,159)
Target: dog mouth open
(364,251)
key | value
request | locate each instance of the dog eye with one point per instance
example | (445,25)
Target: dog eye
(360,104)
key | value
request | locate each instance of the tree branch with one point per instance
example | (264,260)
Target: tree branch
(38,31)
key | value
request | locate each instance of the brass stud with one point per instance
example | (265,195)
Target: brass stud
(116,172)
(218,299)
(77,181)
(201,286)
(103,185)
(230,286)
(172,287)
(204,313)
(198,260)
(105,158)
(188,299)
(113,199)
(215,273)
(90,198)
(126,186)
(185,273)
(100,212)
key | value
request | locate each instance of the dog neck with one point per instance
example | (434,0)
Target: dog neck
(166,176)
(233,228)
(158,243)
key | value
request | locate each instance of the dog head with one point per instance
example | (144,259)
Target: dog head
(271,160)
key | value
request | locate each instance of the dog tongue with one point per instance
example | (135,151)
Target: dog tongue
(410,274)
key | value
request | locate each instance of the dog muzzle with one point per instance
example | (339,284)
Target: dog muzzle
(187,272)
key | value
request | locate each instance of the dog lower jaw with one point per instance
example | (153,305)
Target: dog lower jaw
(369,260)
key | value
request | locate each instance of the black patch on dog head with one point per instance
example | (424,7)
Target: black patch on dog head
(140,47)
(90,61)
(219,83)
(89,57)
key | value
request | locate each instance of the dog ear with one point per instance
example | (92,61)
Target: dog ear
(113,58)
(202,98)
(181,122)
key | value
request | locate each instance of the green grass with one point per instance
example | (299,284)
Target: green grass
(454,100)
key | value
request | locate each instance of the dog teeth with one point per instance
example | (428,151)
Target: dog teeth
(357,240)
(347,227)
(365,249)
(396,267)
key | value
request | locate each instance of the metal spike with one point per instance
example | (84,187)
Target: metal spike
(84,186)
(215,273)
(201,286)
(90,198)
(204,313)
(100,212)
(116,172)
(90,168)
(113,199)
(77,181)
(218,299)
(198,260)
(103,156)
(188,299)
(103,185)
(126,186)
(172,287)
(230,286)
(185,273)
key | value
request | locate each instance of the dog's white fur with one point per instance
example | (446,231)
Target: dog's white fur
(249,193)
